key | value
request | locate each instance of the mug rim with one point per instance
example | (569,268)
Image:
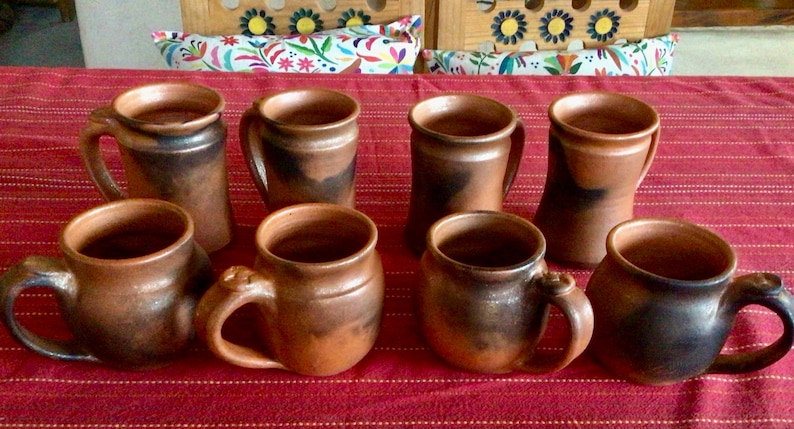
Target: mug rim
(108,213)
(556,120)
(534,258)
(184,88)
(352,110)
(425,103)
(715,239)
(327,208)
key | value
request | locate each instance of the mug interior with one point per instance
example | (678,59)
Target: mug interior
(127,229)
(168,104)
(316,233)
(309,107)
(603,113)
(489,240)
(461,115)
(673,250)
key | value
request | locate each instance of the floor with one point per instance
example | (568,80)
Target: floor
(38,37)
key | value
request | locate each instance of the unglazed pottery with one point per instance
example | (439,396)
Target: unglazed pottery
(318,285)
(172,142)
(601,145)
(665,301)
(465,151)
(485,292)
(127,285)
(300,146)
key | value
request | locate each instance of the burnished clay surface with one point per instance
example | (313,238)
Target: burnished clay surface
(601,145)
(665,300)
(172,143)
(127,285)
(300,145)
(318,287)
(465,151)
(485,292)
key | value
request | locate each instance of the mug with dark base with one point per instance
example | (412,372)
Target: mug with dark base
(665,299)
(127,285)
(485,294)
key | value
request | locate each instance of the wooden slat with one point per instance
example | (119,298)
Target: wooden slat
(707,13)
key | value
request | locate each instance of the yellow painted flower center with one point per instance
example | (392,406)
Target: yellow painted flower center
(257,25)
(305,25)
(354,22)
(556,26)
(603,25)
(509,27)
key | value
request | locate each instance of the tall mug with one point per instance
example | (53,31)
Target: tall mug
(465,152)
(300,145)
(601,145)
(172,142)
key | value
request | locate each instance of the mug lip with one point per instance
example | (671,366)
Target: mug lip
(170,128)
(536,257)
(504,131)
(567,98)
(353,112)
(713,237)
(327,208)
(106,211)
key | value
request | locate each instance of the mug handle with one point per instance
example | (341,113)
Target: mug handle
(251,127)
(651,154)
(51,273)
(559,290)
(766,290)
(102,122)
(236,287)
(517,140)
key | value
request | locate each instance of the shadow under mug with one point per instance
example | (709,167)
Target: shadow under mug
(665,299)
(317,285)
(485,294)
(127,285)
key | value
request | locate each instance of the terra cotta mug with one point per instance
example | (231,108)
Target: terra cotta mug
(601,145)
(465,152)
(300,145)
(172,142)
(485,293)
(127,285)
(665,300)
(318,285)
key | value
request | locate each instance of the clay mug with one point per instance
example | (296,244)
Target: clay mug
(172,142)
(465,152)
(300,145)
(318,285)
(601,145)
(485,293)
(665,299)
(126,286)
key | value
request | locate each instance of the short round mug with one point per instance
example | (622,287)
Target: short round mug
(665,299)
(318,285)
(300,145)
(127,285)
(485,293)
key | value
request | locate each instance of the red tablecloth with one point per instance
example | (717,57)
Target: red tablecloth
(726,161)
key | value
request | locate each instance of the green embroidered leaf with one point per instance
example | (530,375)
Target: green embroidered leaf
(552,71)
(327,44)
(575,68)
(302,49)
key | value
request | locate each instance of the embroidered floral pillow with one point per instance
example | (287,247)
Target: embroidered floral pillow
(647,57)
(376,49)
